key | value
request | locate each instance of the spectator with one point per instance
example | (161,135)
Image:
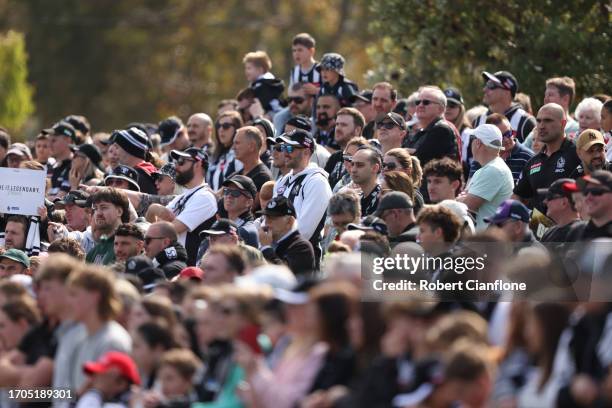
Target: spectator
(68,246)
(42,152)
(560,207)
(131,147)
(173,134)
(165,180)
(123,177)
(399,181)
(365,168)
(492,184)
(239,193)
(396,210)
(194,209)
(110,209)
(199,129)
(247,144)
(606,126)
(591,149)
(161,244)
(499,91)
(391,130)
(597,190)
(320,155)
(224,231)
(222,264)
(14,262)
(344,209)
(512,217)
(438,230)
(349,124)
(334,80)
(266,87)
(588,113)
(129,241)
(300,103)
(17,153)
(383,101)
(280,240)
(222,160)
(444,179)
(455,114)
(17,317)
(15,232)
(327,107)
(399,159)
(151,340)
(61,136)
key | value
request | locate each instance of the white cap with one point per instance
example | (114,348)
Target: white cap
(489,135)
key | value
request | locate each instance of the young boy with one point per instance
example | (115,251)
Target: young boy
(177,369)
(334,82)
(267,88)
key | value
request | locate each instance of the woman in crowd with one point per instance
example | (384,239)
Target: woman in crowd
(87,166)
(588,114)
(223,161)
(400,181)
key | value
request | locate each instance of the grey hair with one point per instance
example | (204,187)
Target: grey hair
(345,202)
(438,94)
(592,104)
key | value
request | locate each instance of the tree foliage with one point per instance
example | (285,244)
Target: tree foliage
(15,92)
(449,42)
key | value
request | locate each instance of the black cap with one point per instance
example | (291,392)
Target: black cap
(395,118)
(93,154)
(370,223)
(300,122)
(562,187)
(600,177)
(126,173)
(453,95)
(364,96)
(297,137)
(394,200)
(169,129)
(167,169)
(279,206)
(243,183)
(80,123)
(504,79)
(142,267)
(62,128)
(190,153)
(220,227)
(76,197)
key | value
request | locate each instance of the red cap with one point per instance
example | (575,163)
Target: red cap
(122,361)
(191,272)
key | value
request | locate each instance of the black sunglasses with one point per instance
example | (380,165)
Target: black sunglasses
(296,99)
(182,161)
(596,192)
(493,85)
(347,158)
(233,193)
(148,240)
(424,102)
(386,125)
(225,125)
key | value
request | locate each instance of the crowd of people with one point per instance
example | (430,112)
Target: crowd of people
(224,262)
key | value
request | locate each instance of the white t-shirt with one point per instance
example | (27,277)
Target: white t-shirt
(493,183)
(200,205)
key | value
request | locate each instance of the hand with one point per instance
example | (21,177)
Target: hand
(158,211)
(54,231)
(315,400)
(265,236)
(584,389)
(151,399)
(310,89)
(74,177)
(42,212)
(245,357)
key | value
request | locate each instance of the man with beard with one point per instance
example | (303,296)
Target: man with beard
(162,248)
(327,108)
(300,103)
(15,232)
(365,167)
(78,226)
(129,242)
(349,124)
(193,210)
(110,209)
(591,149)
(199,128)
(321,155)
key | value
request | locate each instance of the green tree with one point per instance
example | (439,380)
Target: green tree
(449,42)
(15,92)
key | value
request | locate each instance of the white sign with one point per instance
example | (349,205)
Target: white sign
(22,191)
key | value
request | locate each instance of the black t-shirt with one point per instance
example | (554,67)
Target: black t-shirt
(60,177)
(586,231)
(335,168)
(145,182)
(541,171)
(260,175)
(369,202)
(38,342)
(558,233)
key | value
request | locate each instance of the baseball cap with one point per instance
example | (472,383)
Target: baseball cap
(394,200)
(220,227)
(77,197)
(589,138)
(62,128)
(20,149)
(297,137)
(191,272)
(17,256)
(370,223)
(453,95)
(169,129)
(489,135)
(365,96)
(504,79)
(428,374)
(300,122)
(168,170)
(298,295)
(123,172)
(395,118)
(92,152)
(279,206)
(190,153)
(244,183)
(563,187)
(80,123)
(600,177)
(114,359)
(510,210)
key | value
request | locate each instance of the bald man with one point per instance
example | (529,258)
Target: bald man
(199,127)
(558,158)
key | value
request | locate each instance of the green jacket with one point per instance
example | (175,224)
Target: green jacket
(103,253)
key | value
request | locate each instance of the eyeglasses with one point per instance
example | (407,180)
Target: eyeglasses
(182,161)
(225,126)
(347,158)
(389,166)
(386,125)
(425,102)
(595,192)
(296,99)
(508,134)
(232,193)
(148,240)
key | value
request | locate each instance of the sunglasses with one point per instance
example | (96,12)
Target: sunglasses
(225,126)
(425,102)
(508,134)
(595,192)
(182,161)
(233,193)
(296,99)
(389,166)
(289,148)
(493,85)
(148,240)
(553,197)
(347,158)
(386,125)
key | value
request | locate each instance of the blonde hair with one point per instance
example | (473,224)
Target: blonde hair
(258,58)
(97,279)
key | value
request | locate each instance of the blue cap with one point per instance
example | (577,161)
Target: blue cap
(510,210)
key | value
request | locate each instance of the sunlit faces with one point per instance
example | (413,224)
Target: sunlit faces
(14,235)
(429,237)
(552,95)
(106,216)
(8,268)
(252,71)
(550,126)
(362,169)
(329,76)
(594,158)
(301,55)
(381,101)
(299,102)
(59,145)
(588,119)
(345,129)
(441,188)
(198,129)
(43,151)
(341,221)
(597,200)
(429,107)
(225,131)
(126,247)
